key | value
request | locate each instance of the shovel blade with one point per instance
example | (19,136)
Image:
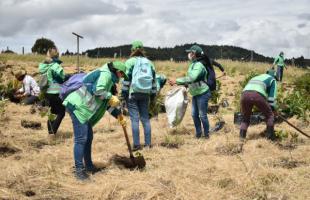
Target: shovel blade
(130,163)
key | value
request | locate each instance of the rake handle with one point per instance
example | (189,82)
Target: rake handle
(289,123)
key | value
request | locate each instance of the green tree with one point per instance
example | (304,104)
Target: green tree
(42,45)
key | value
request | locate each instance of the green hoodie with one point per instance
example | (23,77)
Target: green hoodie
(279,61)
(55,75)
(195,79)
(90,102)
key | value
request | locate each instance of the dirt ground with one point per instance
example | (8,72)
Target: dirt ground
(218,168)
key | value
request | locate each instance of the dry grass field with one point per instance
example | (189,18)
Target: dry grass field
(218,168)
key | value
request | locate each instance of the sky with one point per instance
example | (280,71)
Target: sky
(265,26)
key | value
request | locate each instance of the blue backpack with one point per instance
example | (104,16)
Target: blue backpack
(142,76)
(72,84)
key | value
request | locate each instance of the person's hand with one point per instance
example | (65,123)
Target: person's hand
(172,82)
(122,120)
(114,101)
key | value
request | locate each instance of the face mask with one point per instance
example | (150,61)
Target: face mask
(190,56)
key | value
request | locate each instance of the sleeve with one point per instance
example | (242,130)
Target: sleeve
(154,84)
(275,60)
(213,62)
(58,73)
(103,89)
(126,82)
(27,86)
(114,111)
(192,75)
(272,94)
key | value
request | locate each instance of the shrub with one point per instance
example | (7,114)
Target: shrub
(215,95)
(297,101)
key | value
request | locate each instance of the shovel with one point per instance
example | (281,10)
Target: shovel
(134,162)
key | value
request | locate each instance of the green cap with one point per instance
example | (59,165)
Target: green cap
(136,45)
(120,66)
(195,49)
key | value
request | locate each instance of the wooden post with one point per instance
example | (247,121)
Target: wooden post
(23,50)
(78,50)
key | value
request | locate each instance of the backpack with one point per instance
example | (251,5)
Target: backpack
(72,84)
(211,78)
(142,76)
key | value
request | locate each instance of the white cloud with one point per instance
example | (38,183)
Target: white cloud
(266,26)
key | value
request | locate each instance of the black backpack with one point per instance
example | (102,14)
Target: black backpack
(211,78)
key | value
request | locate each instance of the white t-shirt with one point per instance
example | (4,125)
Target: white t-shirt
(30,86)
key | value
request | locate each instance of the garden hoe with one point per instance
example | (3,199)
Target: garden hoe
(134,162)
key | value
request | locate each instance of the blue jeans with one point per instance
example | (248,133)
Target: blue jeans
(199,113)
(280,73)
(83,137)
(138,109)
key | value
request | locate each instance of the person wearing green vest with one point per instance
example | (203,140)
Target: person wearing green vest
(86,107)
(260,92)
(56,76)
(279,62)
(138,90)
(196,80)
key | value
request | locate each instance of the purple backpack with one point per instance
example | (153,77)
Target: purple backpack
(72,84)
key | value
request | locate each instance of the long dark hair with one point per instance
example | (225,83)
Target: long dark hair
(205,60)
(138,52)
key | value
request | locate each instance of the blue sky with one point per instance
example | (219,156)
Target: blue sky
(266,26)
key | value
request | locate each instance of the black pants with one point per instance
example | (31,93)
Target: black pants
(56,108)
(30,100)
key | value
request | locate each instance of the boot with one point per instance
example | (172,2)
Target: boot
(242,134)
(51,139)
(270,133)
(81,175)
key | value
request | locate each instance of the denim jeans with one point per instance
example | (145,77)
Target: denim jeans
(199,113)
(138,109)
(83,137)
(280,73)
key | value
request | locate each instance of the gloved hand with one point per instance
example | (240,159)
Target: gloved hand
(114,101)
(122,120)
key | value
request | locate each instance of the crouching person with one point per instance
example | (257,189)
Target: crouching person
(29,91)
(86,106)
(261,92)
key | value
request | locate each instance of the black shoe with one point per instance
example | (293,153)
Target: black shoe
(136,148)
(242,134)
(198,136)
(149,146)
(94,169)
(207,137)
(81,175)
(270,133)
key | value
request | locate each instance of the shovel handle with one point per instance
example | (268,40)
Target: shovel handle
(289,123)
(128,142)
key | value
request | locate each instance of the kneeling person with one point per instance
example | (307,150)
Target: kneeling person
(29,91)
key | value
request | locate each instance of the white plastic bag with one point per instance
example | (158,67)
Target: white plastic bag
(176,103)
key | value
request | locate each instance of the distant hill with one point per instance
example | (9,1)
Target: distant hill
(177,53)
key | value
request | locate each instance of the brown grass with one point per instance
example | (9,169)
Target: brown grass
(197,169)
